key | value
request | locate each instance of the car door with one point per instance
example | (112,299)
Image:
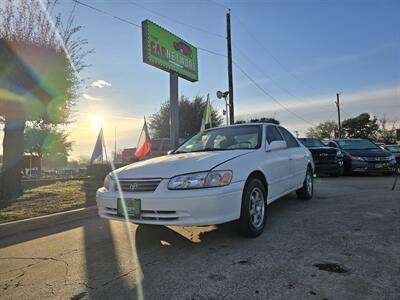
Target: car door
(297,158)
(276,165)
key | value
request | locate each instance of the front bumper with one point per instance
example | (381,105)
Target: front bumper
(328,167)
(182,207)
(368,167)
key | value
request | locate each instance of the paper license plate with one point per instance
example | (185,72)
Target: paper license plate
(132,207)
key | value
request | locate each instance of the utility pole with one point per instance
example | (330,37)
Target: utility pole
(230,77)
(338,112)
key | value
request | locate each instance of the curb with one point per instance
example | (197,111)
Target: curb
(23,226)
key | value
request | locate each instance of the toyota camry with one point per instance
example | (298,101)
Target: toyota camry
(219,175)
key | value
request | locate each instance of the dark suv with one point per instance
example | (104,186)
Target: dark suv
(364,156)
(328,160)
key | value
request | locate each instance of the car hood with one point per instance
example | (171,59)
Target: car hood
(319,150)
(175,164)
(368,153)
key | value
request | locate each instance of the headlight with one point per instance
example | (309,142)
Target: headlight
(357,158)
(108,182)
(391,158)
(339,153)
(200,180)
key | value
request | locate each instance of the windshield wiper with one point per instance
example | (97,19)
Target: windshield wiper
(209,149)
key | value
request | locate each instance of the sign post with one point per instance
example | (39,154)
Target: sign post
(170,53)
(174,110)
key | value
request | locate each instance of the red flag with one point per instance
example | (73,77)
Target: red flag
(144,144)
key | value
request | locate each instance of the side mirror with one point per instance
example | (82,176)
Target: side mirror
(169,152)
(276,145)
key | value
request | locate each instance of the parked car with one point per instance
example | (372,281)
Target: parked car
(219,175)
(328,160)
(364,156)
(395,150)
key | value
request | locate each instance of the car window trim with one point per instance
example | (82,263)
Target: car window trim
(287,144)
(266,133)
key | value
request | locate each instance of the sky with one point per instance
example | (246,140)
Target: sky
(299,53)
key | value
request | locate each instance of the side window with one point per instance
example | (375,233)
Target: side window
(290,140)
(273,134)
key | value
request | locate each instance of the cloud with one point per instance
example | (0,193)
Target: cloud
(100,84)
(378,102)
(91,98)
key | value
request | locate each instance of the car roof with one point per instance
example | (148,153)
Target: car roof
(350,139)
(246,124)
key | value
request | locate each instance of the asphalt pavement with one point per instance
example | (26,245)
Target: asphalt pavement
(343,244)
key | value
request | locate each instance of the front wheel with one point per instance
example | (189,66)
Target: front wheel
(307,190)
(254,208)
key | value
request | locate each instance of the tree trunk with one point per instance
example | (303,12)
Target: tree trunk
(13,155)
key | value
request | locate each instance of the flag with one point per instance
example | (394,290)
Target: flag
(206,115)
(98,148)
(144,144)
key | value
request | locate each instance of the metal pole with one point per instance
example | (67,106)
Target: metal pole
(226,111)
(174,110)
(230,77)
(338,109)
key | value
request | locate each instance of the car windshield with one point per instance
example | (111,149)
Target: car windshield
(311,143)
(393,149)
(356,144)
(225,138)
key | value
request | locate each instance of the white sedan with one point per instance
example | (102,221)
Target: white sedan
(219,175)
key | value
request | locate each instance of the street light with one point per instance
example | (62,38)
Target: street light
(221,95)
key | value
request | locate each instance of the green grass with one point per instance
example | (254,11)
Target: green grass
(56,197)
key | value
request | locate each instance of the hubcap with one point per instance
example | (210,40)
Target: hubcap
(257,207)
(309,183)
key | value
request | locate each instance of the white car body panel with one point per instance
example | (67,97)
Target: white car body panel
(284,171)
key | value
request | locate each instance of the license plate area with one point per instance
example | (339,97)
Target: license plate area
(133,207)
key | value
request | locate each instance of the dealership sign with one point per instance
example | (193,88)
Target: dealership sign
(168,52)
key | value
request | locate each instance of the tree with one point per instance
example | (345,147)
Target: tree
(260,120)
(190,116)
(39,61)
(265,120)
(387,131)
(362,126)
(324,130)
(48,143)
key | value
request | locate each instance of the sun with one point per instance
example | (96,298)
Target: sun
(97,121)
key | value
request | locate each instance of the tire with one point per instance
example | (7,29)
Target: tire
(339,172)
(254,209)
(307,190)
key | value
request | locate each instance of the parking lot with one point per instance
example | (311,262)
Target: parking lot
(343,244)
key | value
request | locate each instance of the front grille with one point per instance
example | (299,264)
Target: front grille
(324,157)
(376,159)
(139,185)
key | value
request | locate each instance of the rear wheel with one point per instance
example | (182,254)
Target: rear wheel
(307,190)
(254,208)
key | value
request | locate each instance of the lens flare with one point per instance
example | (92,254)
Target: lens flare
(97,121)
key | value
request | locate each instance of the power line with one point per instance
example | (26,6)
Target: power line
(205,50)
(269,95)
(106,13)
(177,21)
(268,52)
(269,77)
